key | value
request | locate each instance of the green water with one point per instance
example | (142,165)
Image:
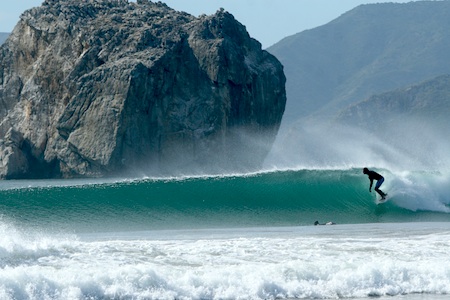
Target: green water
(283,198)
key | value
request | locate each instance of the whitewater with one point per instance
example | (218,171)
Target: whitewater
(240,236)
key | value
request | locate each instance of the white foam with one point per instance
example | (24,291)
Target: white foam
(416,191)
(300,262)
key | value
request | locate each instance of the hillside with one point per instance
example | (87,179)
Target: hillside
(371,49)
(368,89)
(427,102)
(409,125)
(403,129)
(3,37)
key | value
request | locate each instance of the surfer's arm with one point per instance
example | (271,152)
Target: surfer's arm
(371,183)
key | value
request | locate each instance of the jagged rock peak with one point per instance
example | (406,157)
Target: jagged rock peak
(68,14)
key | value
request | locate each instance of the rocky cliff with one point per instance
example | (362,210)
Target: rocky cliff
(93,88)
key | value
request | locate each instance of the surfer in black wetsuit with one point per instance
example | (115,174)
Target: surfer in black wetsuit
(327,223)
(380,179)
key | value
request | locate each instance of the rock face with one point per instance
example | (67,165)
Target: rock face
(93,88)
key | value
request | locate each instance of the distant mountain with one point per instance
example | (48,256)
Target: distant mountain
(408,127)
(403,129)
(368,89)
(371,49)
(424,103)
(3,37)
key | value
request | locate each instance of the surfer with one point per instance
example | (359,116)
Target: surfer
(380,179)
(327,223)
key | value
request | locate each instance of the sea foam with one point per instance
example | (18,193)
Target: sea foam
(322,262)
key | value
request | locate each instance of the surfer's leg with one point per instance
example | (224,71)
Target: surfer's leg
(377,188)
(379,183)
(382,194)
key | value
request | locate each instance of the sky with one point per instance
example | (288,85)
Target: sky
(268,21)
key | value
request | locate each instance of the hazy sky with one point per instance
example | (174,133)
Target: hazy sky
(266,20)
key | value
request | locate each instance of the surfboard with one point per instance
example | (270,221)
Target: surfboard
(380,201)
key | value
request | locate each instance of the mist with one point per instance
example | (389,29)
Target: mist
(412,154)
(236,150)
(398,145)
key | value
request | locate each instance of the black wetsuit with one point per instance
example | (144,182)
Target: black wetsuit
(373,175)
(380,179)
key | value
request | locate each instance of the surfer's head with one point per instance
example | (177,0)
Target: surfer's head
(365,170)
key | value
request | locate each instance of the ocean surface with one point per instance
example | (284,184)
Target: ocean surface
(241,236)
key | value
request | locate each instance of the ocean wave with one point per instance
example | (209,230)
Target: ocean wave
(330,262)
(275,198)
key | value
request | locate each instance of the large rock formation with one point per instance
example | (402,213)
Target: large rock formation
(91,88)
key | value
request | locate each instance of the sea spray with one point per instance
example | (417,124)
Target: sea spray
(403,145)
(421,191)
